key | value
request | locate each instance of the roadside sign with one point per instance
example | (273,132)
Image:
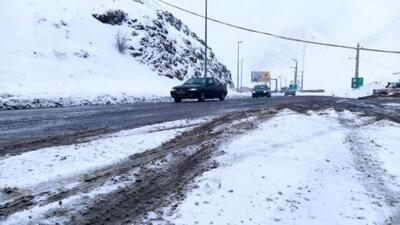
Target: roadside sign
(357,82)
(260,76)
(293,87)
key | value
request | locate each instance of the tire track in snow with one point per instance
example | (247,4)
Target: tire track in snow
(373,176)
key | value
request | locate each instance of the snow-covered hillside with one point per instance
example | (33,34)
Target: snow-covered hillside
(67,51)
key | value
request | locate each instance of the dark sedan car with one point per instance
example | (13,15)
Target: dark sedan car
(261,91)
(290,92)
(200,89)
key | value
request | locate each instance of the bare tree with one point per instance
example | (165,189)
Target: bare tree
(121,42)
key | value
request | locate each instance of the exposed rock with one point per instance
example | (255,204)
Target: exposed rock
(167,45)
(112,17)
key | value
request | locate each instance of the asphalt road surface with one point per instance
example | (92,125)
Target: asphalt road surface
(27,130)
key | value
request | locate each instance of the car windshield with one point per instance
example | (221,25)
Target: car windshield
(260,87)
(196,81)
(391,85)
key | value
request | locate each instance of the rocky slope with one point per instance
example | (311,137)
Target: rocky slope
(165,44)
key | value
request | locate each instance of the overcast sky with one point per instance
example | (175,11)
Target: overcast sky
(374,23)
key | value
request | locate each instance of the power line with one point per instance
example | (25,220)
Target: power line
(378,64)
(275,35)
(378,34)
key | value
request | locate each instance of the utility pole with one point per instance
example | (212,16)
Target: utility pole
(206,37)
(295,72)
(302,72)
(238,62)
(241,74)
(280,83)
(302,80)
(357,62)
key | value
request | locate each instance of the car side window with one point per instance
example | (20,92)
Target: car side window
(398,85)
(211,82)
(217,82)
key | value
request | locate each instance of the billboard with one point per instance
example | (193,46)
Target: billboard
(260,76)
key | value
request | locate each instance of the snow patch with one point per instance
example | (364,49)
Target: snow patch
(294,169)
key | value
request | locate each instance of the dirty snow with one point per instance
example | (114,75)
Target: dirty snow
(295,169)
(37,215)
(47,164)
(386,137)
(393,105)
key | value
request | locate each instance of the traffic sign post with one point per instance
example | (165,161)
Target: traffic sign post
(293,87)
(357,82)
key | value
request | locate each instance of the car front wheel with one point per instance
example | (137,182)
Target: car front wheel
(202,97)
(178,100)
(383,94)
(222,97)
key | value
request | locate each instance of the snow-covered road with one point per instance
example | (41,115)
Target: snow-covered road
(294,167)
(65,161)
(35,176)
(302,170)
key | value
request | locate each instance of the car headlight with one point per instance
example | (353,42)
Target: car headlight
(193,89)
(265,91)
(173,89)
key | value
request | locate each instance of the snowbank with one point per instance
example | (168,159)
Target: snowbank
(364,91)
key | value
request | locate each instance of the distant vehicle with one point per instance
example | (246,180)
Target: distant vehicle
(261,91)
(391,89)
(290,92)
(200,89)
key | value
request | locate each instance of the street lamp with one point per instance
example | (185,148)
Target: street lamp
(303,65)
(280,82)
(206,44)
(295,72)
(241,75)
(238,59)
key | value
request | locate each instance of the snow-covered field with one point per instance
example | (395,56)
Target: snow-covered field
(302,169)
